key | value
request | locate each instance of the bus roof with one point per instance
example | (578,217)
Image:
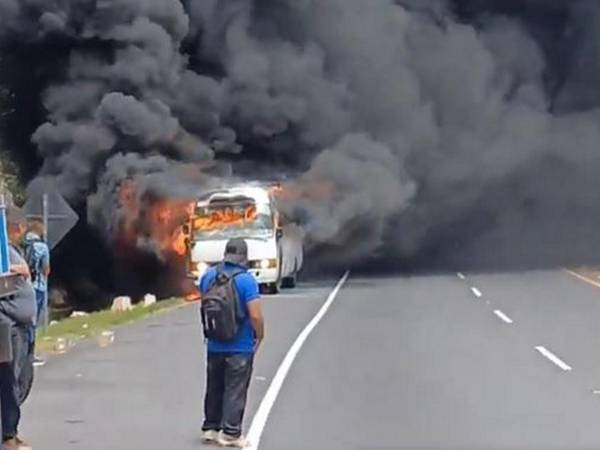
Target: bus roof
(258,194)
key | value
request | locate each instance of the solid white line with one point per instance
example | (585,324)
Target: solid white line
(260,418)
(460,275)
(555,359)
(476,292)
(503,316)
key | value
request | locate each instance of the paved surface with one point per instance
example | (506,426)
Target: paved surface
(419,363)
(146,391)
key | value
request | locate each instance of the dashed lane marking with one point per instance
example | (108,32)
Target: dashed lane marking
(476,292)
(503,317)
(555,359)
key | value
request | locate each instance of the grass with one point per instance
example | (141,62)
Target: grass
(74,329)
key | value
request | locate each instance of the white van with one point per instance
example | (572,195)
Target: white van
(275,250)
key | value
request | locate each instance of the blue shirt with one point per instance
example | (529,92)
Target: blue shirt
(41,257)
(247,288)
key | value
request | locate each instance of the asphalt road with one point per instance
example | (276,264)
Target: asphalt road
(498,362)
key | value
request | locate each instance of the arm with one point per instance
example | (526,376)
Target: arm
(17,263)
(46,261)
(257,320)
(20,269)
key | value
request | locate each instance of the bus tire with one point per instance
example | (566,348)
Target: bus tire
(271,288)
(290,282)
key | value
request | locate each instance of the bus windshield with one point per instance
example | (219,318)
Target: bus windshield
(224,220)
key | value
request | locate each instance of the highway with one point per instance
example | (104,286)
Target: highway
(453,361)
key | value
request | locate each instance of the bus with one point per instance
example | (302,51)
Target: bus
(275,249)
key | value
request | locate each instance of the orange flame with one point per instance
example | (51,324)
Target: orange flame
(221,218)
(159,220)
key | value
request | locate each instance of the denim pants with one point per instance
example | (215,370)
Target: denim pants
(41,300)
(228,377)
(16,378)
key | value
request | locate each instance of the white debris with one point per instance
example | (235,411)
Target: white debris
(79,314)
(85,326)
(60,346)
(54,322)
(149,300)
(106,338)
(121,304)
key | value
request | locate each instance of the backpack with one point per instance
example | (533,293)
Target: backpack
(30,257)
(220,308)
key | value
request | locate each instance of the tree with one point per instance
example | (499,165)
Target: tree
(9,172)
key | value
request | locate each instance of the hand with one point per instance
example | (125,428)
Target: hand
(20,269)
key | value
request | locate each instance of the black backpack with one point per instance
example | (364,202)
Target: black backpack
(220,307)
(30,259)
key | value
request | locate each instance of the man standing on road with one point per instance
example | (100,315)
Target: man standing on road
(16,377)
(37,255)
(229,362)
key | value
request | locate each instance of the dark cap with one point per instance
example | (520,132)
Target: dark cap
(236,251)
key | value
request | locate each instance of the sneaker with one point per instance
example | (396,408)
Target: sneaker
(210,436)
(10,444)
(21,444)
(37,361)
(15,443)
(230,441)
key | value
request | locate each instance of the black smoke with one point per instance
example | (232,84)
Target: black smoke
(449,132)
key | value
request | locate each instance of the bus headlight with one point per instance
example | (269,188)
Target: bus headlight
(268,263)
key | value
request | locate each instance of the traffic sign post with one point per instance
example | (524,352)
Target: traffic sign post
(47,204)
(58,217)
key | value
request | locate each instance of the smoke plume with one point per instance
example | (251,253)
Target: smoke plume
(446,132)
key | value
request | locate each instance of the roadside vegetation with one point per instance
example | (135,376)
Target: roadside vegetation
(73,329)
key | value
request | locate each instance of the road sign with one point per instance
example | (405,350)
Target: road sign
(46,203)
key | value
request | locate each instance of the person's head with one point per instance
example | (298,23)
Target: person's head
(16,223)
(236,252)
(36,225)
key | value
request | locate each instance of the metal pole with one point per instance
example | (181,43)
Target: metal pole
(45,216)
(45,238)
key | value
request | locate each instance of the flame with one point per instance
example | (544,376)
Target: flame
(158,220)
(167,218)
(192,297)
(304,189)
(224,217)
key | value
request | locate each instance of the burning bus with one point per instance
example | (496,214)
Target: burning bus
(275,248)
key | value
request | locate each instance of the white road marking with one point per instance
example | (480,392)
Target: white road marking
(460,275)
(260,418)
(503,316)
(555,359)
(477,292)
(596,391)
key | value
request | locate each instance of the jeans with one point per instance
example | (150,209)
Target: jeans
(41,300)
(16,378)
(227,380)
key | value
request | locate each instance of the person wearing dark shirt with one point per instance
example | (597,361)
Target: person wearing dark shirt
(229,364)
(20,312)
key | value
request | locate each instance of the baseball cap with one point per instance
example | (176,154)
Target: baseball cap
(236,251)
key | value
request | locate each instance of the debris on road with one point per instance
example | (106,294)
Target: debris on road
(106,338)
(60,345)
